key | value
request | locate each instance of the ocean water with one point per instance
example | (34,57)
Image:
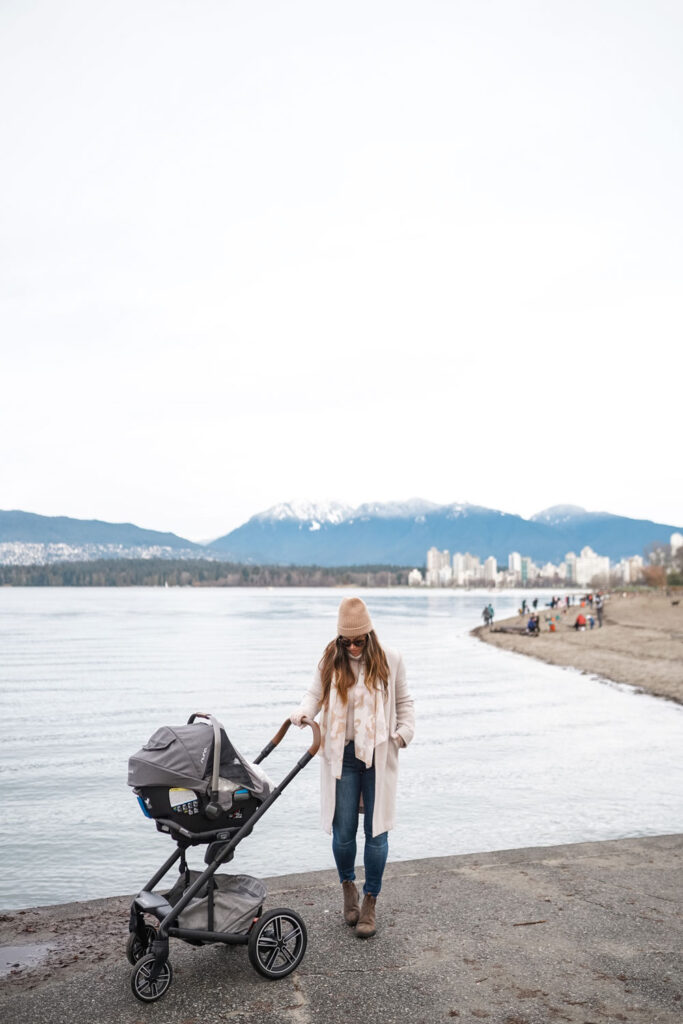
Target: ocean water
(508,752)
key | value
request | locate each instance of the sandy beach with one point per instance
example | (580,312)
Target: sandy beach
(640,642)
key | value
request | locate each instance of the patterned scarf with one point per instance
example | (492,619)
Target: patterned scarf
(369,725)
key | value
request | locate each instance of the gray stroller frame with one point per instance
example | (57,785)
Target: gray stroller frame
(276,940)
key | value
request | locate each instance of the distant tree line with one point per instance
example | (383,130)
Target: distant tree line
(161,572)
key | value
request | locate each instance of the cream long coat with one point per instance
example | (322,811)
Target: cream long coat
(400,718)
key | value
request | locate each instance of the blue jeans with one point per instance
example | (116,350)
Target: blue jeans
(356,779)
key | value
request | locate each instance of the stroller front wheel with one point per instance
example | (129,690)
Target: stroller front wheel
(144,989)
(277,943)
(135,949)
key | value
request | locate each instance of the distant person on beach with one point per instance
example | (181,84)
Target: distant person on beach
(486,615)
(367,717)
(598,608)
(490,607)
(524,606)
(580,622)
(533,626)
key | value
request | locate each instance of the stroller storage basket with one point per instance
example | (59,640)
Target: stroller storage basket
(225,903)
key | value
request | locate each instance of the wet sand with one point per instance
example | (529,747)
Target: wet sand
(640,642)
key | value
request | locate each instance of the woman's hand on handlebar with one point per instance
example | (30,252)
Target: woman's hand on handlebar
(296,718)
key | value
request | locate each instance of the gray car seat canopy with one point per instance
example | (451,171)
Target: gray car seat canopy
(182,756)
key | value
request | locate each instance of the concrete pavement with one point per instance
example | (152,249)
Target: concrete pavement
(587,934)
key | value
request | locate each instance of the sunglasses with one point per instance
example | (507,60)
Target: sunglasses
(352,641)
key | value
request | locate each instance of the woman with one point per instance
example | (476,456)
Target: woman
(367,715)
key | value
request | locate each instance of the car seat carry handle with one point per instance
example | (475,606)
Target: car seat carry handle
(280,734)
(212,810)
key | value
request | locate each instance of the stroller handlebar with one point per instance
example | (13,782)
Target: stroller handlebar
(315,745)
(280,734)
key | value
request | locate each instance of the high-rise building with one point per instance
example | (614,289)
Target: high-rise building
(570,562)
(629,570)
(458,568)
(472,565)
(514,562)
(589,567)
(437,561)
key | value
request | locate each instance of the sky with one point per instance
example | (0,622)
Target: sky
(252,252)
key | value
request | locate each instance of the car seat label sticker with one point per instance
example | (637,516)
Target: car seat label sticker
(184,801)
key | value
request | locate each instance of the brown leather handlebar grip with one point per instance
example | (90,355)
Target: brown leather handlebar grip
(280,735)
(314,747)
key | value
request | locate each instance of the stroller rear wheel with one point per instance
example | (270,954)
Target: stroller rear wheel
(277,943)
(135,949)
(149,991)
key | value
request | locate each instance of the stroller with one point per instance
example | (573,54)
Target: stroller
(201,791)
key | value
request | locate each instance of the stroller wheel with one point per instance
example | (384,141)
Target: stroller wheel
(149,991)
(135,950)
(277,943)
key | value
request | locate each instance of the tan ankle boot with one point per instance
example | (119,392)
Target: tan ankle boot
(366,919)
(351,908)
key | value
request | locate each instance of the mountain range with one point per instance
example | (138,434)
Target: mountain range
(334,534)
(30,528)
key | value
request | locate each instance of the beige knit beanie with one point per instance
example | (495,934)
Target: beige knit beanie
(353,618)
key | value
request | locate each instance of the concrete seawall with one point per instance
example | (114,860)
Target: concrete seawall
(587,933)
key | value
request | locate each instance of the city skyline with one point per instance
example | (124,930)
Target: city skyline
(462,569)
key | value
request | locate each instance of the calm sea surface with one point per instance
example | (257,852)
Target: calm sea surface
(509,752)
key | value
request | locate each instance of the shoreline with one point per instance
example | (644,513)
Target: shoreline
(579,932)
(640,643)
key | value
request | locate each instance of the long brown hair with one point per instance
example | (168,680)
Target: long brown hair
(335,665)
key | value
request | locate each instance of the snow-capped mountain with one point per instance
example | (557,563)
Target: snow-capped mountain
(400,533)
(338,512)
(561,514)
(413,508)
(331,533)
(307,511)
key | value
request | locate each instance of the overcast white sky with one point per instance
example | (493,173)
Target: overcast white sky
(365,251)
